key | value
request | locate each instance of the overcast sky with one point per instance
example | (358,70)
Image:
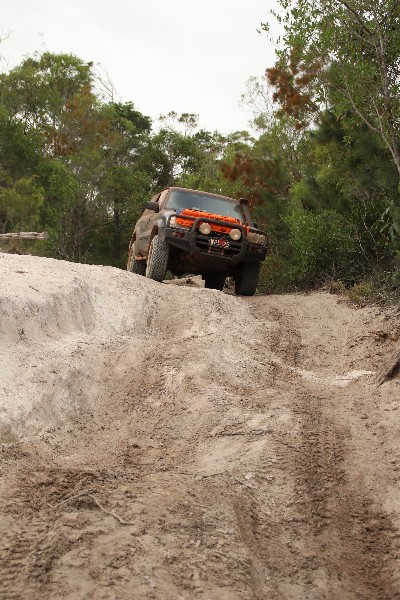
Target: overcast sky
(162,55)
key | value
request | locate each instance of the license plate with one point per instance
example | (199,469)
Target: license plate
(220,243)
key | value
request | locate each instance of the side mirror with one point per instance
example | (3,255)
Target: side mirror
(154,206)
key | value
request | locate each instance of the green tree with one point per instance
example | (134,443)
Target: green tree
(343,52)
(174,147)
(322,246)
(124,183)
(20,148)
(21,195)
(84,154)
(37,91)
(353,181)
(20,202)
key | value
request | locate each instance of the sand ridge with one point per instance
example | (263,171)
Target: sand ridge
(168,441)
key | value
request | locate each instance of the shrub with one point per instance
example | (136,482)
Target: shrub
(322,246)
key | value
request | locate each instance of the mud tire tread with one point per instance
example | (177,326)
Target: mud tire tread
(246,281)
(157,259)
(135,266)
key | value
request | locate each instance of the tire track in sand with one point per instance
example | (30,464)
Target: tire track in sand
(343,545)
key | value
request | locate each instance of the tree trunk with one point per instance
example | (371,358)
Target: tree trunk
(117,232)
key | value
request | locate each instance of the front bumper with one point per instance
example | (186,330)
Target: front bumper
(191,241)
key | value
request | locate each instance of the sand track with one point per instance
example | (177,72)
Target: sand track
(162,441)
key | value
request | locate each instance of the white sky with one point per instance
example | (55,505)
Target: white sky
(162,55)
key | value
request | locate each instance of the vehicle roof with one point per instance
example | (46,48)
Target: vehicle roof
(182,189)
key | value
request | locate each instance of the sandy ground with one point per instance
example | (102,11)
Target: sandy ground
(172,442)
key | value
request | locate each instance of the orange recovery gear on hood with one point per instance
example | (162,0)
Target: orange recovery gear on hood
(194,214)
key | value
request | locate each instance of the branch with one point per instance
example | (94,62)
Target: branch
(391,145)
(348,95)
(97,503)
(24,235)
(110,512)
(357,16)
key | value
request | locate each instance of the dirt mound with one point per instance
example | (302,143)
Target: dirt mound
(59,321)
(169,441)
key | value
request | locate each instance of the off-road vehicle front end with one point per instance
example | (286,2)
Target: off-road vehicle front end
(189,231)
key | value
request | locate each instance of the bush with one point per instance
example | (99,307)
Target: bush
(275,276)
(381,287)
(322,246)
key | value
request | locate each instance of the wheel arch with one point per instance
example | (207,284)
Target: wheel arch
(133,239)
(156,229)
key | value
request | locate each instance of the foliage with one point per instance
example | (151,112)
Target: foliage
(295,82)
(322,245)
(37,91)
(20,202)
(346,54)
(276,275)
(357,180)
(321,182)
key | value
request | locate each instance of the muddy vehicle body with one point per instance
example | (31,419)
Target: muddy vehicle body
(189,231)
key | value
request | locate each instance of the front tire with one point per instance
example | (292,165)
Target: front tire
(246,280)
(135,266)
(215,281)
(157,259)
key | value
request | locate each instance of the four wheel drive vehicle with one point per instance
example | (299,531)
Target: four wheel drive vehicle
(189,231)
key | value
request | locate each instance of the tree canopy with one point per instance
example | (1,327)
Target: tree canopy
(321,174)
(346,54)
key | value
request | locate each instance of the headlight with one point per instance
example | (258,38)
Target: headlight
(172,222)
(256,238)
(205,228)
(235,234)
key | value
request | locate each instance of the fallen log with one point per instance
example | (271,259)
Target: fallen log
(389,369)
(24,235)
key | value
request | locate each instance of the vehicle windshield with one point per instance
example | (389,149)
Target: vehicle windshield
(180,199)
